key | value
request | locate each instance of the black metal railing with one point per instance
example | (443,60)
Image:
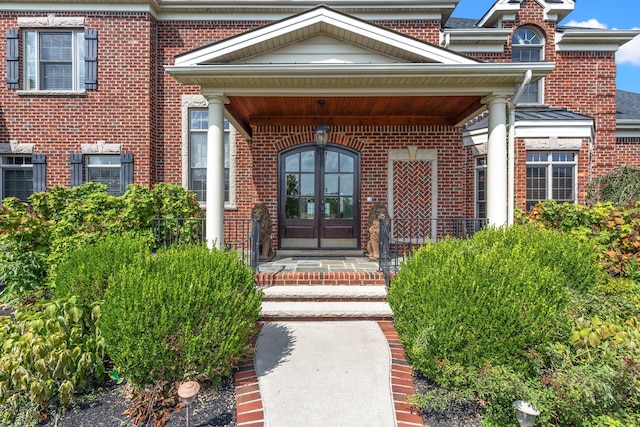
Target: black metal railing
(241,235)
(400,237)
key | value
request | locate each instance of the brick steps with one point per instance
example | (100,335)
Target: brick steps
(325,293)
(319,278)
(327,310)
(325,301)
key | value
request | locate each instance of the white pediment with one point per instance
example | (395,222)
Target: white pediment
(321,35)
(322,49)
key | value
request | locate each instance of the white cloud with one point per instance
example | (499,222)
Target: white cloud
(591,23)
(629,52)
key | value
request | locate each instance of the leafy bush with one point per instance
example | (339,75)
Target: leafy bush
(494,298)
(614,233)
(189,312)
(585,372)
(21,272)
(620,187)
(85,272)
(39,234)
(49,352)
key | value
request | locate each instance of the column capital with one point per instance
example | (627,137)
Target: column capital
(215,95)
(495,98)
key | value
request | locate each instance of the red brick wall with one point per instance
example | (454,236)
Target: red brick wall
(425,30)
(120,111)
(583,82)
(257,166)
(175,38)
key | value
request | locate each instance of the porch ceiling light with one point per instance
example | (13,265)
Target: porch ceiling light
(321,132)
(525,413)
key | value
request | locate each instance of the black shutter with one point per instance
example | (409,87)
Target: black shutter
(13,59)
(90,59)
(76,168)
(126,171)
(39,162)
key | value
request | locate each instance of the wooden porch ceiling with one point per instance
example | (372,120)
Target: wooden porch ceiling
(251,111)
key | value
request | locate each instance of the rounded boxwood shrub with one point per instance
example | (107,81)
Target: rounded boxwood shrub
(85,271)
(189,312)
(495,299)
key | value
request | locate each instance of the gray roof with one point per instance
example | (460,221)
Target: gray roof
(628,105)
(461,23)
(530,114)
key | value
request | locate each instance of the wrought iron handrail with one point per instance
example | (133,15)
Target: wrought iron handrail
(400,237)
(242,235)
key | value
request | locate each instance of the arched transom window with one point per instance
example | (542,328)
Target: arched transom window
(528,46)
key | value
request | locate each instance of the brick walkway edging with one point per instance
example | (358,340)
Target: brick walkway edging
(401,379)
(250,412)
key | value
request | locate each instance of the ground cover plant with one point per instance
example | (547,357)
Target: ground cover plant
(522,313)
(59,251)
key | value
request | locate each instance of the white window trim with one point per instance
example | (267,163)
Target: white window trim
(199,101)
(11,167)
(541,85)
(74,25)
(477,168)
(87,166)
(549,171)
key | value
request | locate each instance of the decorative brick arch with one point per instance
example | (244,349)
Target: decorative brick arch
(307,137)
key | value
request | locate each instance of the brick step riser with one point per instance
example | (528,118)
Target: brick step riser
(319,278)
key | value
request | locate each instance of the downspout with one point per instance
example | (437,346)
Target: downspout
(511,149)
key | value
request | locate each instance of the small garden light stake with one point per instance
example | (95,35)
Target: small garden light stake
(525,413)
(187,393)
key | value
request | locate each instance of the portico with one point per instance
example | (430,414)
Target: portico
(370,77)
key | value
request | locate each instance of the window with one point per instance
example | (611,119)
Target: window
(198,127)
(528,46)
(54,60)
(550,175)
(105,170)
(481,187)
(113,170)
(17,177)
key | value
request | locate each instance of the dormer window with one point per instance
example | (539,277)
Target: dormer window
(528,46)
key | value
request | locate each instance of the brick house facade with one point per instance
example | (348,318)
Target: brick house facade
(135,91)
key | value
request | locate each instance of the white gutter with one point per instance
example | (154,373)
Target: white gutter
(511,150)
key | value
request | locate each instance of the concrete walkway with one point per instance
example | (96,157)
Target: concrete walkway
(320,374)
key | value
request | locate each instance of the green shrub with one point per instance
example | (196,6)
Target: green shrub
(86,270)
(621,186)
(613,232)
(21,272)
(492,299)
(189,312)
(49,352)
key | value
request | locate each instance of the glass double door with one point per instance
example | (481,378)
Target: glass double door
(319,200)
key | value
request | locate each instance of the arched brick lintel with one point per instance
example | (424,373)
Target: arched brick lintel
(306,137)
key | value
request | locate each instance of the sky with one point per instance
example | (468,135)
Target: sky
(620,14)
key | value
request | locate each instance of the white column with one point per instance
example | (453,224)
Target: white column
(215,172)
(497,161)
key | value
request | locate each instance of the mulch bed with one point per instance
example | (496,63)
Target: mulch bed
(214,407)
(455,414)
